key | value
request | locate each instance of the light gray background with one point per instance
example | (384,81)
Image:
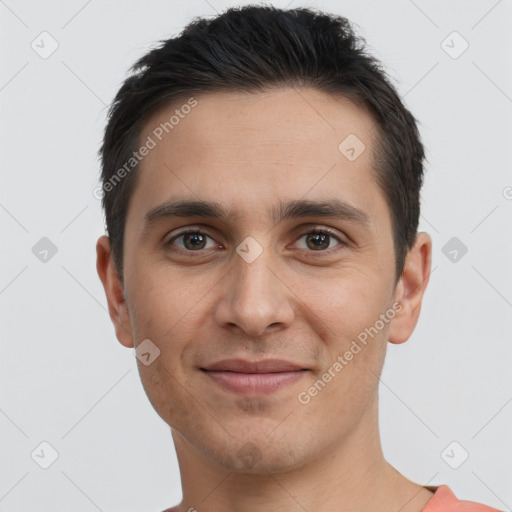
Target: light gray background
(66,380)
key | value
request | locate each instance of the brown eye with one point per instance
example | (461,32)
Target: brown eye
(319,240)
(194,241)
(191,241)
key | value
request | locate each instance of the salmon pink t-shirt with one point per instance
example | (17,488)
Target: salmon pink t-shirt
(443,501)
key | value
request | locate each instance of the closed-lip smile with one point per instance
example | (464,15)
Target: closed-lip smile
(254,377)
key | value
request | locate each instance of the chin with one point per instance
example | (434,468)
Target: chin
(254,453)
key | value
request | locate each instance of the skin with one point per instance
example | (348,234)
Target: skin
(199,306)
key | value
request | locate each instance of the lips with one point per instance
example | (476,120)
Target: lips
(252,378)
(263,366)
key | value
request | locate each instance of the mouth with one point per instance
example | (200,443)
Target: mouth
(254,378)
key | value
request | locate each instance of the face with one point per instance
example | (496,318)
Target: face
(299,268)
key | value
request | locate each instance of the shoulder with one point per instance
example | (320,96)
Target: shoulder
(444,500)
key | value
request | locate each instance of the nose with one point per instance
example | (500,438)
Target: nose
(254,297)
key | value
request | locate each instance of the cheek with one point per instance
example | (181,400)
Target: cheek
(165,301)
(346,303)
(348,313)
(166,391)
(166,312)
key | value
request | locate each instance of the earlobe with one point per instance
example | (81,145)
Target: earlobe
(411,288)
(112,285)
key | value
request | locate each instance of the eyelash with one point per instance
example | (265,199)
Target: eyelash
(316,229)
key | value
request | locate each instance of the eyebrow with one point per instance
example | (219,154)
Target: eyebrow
(299,208)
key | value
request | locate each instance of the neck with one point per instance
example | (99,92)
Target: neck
(353,475)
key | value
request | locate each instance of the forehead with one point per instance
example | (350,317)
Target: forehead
(291,118)
(246,149)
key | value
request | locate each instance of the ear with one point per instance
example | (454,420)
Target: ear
(410,288)
(117,306)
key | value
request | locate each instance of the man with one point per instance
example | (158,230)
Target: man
(261,184)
